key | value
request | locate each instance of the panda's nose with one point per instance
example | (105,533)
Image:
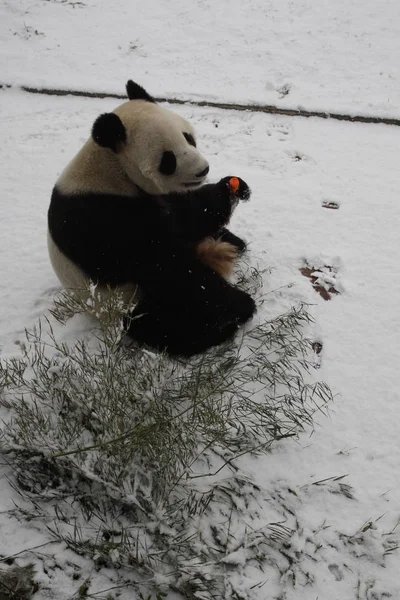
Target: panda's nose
(203,173)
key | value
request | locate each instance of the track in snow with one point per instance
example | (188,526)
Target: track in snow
(268,108)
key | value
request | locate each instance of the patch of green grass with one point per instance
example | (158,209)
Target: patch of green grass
(17,583)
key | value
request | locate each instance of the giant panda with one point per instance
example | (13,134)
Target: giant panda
(131,211)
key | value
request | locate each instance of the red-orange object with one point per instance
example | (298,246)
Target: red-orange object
(234,184)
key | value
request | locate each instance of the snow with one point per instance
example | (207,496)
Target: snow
(340,56)
(316,54)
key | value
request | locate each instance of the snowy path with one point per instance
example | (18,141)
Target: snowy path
(294,166)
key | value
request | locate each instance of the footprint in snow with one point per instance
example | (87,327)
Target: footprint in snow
(336,572)
(48,294)
(280,131)
(301,159)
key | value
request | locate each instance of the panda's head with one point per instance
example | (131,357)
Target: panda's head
(155,147)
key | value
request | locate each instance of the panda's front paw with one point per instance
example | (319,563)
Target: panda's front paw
(237,188)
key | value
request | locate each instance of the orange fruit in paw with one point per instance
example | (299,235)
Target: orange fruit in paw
(234,184)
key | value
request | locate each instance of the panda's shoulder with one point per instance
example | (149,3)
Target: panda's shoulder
(89,198)
(86,204)
(82,209)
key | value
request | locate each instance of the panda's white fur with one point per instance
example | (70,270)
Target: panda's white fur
(150,129)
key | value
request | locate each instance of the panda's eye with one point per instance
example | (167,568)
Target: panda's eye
(168,163)
(190,139)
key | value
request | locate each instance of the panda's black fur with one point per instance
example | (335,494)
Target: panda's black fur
(115,232)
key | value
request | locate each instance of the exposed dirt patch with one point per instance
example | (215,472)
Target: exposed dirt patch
(317,347)
(322,279)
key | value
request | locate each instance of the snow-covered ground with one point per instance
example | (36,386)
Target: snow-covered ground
(340,56)
(318,54)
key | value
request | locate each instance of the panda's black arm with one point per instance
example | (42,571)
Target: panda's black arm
(203,212)
(116,239)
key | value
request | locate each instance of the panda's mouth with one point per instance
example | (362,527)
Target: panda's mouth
(191,184)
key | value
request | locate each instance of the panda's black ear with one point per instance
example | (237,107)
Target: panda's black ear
(108,131)
(136,92)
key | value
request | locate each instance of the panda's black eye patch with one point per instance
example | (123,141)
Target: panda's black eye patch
(168,163)
(190,139)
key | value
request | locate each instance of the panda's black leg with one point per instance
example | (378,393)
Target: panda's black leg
(193,310)
(176,336)
(227,236)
